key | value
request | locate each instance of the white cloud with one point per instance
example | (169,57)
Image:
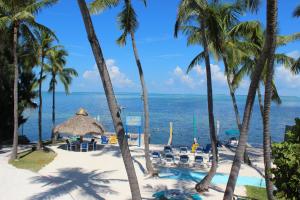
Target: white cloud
(118,78)
(294,54)
(196,77)
(285,79)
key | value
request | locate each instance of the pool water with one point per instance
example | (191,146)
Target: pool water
(189,175)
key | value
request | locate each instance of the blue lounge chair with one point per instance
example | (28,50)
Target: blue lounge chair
(169,159)
(184,159)
(168,150)
(183,150)
(84,147)
(198,161)
(104,140)
(155,155)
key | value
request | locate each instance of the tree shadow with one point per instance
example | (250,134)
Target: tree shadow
(114,150)
(91,183)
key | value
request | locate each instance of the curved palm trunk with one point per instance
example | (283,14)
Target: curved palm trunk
(53,137)
(16,77)
(146,106)
(111,100)
(40,143)
(270,42)
(235,107)
(203,185)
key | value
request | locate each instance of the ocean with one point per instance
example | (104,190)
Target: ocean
(165,108)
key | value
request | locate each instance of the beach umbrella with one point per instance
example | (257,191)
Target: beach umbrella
(80,125)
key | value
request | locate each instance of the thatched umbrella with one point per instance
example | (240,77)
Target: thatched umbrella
(81,124)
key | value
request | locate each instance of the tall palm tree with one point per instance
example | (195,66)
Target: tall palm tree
(111,100)
(19,16)
(56,68)
(267,52)
(128,24)
(195,11)
(44,45)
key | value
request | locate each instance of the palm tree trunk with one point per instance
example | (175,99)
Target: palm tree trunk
(53,137)
(40,143)
(203,185)
(146,106)
(266,125)
(260,102)
(16,77)
(269,43)
(235,107)
(111,100)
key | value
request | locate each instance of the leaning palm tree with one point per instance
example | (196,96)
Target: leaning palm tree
(44,45)
(111,100)
(267,53)
(128,24)
(56,68)
(19,16)
(194,11)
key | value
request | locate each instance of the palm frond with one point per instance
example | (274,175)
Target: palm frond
(296,67)
(275,96)
(296,12)
(195,61)
(284,39)
(97,6)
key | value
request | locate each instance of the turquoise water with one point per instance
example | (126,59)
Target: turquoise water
(219,178)
(161,194)
(165,108)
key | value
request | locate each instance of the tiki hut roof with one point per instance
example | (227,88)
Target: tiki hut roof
(81,124)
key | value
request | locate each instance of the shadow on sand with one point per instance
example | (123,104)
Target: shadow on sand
(91,184)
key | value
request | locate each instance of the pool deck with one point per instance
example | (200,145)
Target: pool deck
(101,175)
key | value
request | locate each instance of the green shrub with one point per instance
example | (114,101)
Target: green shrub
(287,161)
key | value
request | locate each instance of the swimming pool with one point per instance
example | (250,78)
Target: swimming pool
(219,178)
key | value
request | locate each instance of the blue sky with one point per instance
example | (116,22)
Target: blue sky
(163,57)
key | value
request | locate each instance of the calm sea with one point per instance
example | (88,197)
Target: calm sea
(165,108)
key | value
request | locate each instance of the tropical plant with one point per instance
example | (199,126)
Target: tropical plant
(111,100)
(195,12)
(44,44)
(287,161)
(19,16)
(56,68)
(267,52)
(128,23)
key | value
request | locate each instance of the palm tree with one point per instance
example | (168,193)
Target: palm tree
(111,100)
(56,68)
(195,11)
(19,16)
(44,45)
(267,52)
(128,24)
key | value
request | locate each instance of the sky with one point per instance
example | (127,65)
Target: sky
(164,58)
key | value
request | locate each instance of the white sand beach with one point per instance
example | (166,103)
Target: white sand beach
(101,175)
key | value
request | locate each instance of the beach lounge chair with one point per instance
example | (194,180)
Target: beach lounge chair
(183,150)
(168,150)
(156,157)
(199,150)
(104,140)
(113,139)
(198,161)
(169,159)
(84,147)
(184,159)
(233,142)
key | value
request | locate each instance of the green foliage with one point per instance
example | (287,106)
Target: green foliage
(256,193)
(33,160)
(287,161)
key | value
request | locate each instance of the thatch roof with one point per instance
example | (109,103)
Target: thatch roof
(81,124)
